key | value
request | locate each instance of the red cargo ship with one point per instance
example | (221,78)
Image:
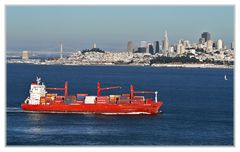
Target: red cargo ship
(42,101)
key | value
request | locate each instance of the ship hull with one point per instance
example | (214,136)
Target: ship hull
(152,108)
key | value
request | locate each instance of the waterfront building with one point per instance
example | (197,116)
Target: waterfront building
(156,46)
(206,36)
(25,55)
(165,42)
(130,47)
(219,44)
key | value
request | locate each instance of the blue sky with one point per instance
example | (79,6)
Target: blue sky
(110,27)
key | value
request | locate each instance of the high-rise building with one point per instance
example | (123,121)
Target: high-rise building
(232,46)
(219,44)
(209,45)
(201,40)
(150,48)
(165,42)
(143,47)
(182,49)
(94,45)
(186,44)
(130,47)
(141,50)
(156,45)
(179,48)
(143,44)
(171,49)
(206,36)
(194,45)
(214,45)
(25,55)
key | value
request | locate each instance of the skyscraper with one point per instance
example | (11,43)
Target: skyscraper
(94,45)
(143,44)
(141,50)
(182,49)
(156,44)
(143,47)
(209,45)
(206,36)
(165,42)
(130,47)
(150,48)
(25,55)
(232,46)
(201,40)
(179,48)
(219,44)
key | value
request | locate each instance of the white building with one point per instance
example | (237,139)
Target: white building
(209,45)
(94,45)
(25,55)
(219,44)
(182,49)
(165,42)
(130,47)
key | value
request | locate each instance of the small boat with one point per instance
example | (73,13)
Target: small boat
(225,77)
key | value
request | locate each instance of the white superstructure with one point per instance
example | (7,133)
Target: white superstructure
(36,91)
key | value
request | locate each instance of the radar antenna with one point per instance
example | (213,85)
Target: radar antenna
(38,80)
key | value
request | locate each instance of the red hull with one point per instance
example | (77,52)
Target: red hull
(151,108)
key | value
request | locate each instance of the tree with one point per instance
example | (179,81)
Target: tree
(93,50)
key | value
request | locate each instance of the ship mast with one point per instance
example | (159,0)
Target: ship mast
(65,89)
(99,89)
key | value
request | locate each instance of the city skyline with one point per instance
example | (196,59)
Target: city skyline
(111,27)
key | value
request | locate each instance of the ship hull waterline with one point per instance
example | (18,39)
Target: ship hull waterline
(152,108)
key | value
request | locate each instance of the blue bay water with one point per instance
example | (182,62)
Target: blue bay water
(197,110)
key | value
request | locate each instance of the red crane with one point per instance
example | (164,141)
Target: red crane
(65,89)
(132,92)
(107,88)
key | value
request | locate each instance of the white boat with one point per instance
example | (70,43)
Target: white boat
(225,77)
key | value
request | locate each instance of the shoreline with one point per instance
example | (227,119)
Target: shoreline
(209,66)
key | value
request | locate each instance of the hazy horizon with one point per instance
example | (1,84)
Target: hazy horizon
(38,28)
